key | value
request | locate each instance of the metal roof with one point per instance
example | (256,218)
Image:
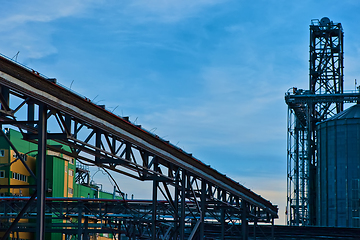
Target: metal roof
(350,113)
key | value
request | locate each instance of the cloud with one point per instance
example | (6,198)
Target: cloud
(169,10)
(40,11)
(28,25)
(239,112)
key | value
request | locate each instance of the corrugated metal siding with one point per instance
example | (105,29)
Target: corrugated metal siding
(58,177)
(338,172)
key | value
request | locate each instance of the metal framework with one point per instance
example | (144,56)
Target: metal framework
(195,194)
(306,108)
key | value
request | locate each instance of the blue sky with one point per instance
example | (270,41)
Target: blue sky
(207,75)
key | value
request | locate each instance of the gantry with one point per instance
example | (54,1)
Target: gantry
(192,193)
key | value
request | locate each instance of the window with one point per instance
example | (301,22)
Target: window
(2,174)
(2,152)
(23,156)
(66,168)
(19,177)
(70,191)
(71,172)
(71,161)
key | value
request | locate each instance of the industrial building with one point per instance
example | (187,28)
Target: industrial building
(323,146)
(46,194)
(64,179)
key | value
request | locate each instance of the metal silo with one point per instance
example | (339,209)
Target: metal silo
(338,170)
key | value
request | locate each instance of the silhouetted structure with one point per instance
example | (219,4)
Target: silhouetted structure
(306,108)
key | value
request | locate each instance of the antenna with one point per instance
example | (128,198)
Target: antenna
(16,56)
(114,109)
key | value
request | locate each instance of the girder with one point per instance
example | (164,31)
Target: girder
(133,218)
(192,190)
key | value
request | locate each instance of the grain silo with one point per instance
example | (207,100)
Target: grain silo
(338,169)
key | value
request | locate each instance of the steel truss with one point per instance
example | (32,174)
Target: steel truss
(131,218)
(194,193)
(306,108)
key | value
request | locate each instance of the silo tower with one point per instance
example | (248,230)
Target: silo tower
(338,170)
(306,108)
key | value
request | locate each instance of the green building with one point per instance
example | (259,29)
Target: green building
(65,178)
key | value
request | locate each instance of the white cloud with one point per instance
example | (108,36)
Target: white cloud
(169,10)
(27,25)
(40,11)
(232,112)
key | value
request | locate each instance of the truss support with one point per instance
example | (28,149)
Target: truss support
(203,209)
(222,220)
(182,205)
(41,173)
(154,204)
(195,197)
(244,220)
(306,108)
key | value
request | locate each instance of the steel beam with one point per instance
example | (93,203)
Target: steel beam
(41,173)
(42,90)
(154,205)
(100,138)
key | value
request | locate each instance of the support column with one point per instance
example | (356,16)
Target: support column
(255,226)
(203,209)
(86,227)
(176,203)
(272,228)
(182,206)
(154,206)
(30,113)
(98,145)
(223,211)
(222,219)
(244,221)
(41,170)
(80,230)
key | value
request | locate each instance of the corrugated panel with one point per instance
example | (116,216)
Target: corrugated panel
(339,170)
(58,177)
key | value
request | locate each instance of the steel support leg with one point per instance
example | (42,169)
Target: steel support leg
(80,209)
(176,203)
(272,228)
(255,226)
(203,209)
(98,145)
(222,219)
(31,113)
(85,230)
(41,176)
(154,209)
(244,221)
(182,206)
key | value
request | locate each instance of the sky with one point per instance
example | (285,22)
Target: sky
(207,75)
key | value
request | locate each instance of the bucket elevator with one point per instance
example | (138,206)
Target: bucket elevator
(306,108)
